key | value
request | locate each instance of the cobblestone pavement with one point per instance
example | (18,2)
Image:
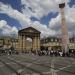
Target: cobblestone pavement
(28,64)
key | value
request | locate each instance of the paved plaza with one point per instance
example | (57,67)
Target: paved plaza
(28,64)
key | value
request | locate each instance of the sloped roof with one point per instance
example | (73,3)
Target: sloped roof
(29,30)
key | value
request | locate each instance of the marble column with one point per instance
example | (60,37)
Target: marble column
(38,43)
(34,43)
(20,43)
(24,43)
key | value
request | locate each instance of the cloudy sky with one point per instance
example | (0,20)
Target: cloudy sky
(44,15)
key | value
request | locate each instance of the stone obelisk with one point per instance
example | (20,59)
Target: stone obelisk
(64,29)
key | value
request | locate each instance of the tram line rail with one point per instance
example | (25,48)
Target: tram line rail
(23,66)
(7,65)
(36,71)
(47,66)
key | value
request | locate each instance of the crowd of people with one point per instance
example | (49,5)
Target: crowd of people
(51,53)
(57,53)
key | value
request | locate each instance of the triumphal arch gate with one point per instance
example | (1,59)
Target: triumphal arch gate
(32,33)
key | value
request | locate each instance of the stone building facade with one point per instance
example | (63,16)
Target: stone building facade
(56,43)
(21,44)
(32,33)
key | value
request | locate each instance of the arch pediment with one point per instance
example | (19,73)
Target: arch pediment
(29,30)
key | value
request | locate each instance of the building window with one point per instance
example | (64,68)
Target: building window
(52,40)
(46,40)
(56,40)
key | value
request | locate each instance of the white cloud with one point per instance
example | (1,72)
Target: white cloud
(7,9)
(40,8)
(55,23)
(45,31)
(29,39)
(25,21)
(7,29)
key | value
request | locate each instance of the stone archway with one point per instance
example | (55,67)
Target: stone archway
(31,33)
(29,43)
